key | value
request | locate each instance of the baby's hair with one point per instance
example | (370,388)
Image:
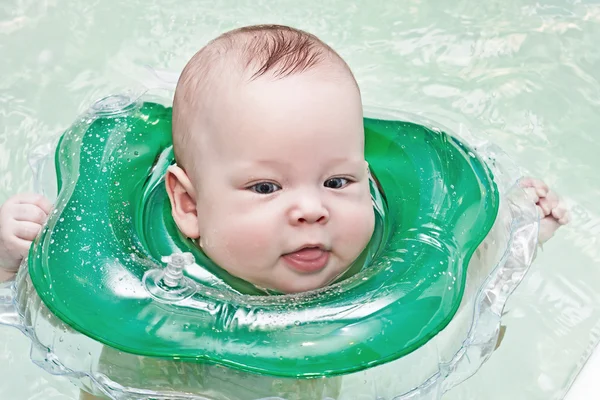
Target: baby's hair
(280,49)
(244,54)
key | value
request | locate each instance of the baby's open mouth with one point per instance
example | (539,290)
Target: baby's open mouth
(307,259)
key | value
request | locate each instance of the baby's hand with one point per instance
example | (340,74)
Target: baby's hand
(552,210)
(21,218)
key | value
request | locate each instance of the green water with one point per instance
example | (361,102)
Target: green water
(523,74)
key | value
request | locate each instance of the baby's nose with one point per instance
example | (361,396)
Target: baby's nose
(309,210)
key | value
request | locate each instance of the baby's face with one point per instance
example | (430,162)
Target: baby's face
(282,190)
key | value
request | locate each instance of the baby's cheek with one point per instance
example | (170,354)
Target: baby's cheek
(358,230)
(245,241)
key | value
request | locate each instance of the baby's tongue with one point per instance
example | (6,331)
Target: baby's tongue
(307,254)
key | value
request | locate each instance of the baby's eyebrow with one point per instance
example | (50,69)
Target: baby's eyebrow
(268,163)
(346,162)
(285,164)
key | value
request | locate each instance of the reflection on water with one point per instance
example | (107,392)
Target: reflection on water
(523,74)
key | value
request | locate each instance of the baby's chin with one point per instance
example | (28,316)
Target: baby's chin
(298,287)
(292,282)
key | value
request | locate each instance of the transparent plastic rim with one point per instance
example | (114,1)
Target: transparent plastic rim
(491,297)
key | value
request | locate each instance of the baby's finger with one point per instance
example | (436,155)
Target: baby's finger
(540,186)
(561,214)
(531,194)
(527,181)
(44,204)
(28,213)
(544,206)
(26,230)
(566,219)
(23,246)
(17,247)
(548,203)
(36,199)
(540,211)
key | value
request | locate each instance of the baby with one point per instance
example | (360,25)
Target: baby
(271,178)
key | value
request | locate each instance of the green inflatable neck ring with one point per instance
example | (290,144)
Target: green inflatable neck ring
(112,225)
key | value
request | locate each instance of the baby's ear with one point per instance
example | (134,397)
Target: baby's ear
(183,201)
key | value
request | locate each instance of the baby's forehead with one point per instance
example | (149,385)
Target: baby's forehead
(259,55)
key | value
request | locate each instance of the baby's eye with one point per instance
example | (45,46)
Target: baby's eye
(265,188)
(336,183)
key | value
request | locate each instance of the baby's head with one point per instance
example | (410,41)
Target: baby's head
(271,176)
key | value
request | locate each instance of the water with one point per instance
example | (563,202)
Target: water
(523,74)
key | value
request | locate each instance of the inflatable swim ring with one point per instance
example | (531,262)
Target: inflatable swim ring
(95,272)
